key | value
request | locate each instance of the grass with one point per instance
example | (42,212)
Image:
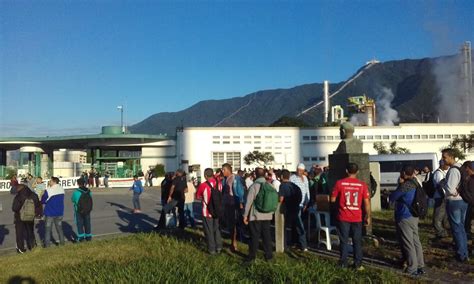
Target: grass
(155,258)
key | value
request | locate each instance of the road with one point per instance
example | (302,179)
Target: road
(111,215)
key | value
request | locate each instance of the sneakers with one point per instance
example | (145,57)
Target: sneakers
(421,271)
(359,268)
(19,251)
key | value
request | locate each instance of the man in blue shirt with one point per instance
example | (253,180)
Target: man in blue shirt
(407,224)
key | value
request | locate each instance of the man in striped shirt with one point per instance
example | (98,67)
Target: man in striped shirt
(210,223)
(301,181)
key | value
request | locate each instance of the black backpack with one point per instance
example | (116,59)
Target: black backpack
(428,185)
(84,206)
(466,187)
(419,206)
(215,203)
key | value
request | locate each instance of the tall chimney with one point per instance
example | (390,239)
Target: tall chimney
(467,76)
(326,102)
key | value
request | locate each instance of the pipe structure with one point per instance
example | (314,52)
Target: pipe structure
(326,102)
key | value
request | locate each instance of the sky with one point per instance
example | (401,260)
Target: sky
(65,66)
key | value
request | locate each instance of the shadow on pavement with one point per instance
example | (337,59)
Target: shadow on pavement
(135,222)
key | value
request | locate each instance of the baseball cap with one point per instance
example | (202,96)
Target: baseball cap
(301,166)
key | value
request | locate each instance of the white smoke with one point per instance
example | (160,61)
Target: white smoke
(386,115)
(359,119)
(451,88)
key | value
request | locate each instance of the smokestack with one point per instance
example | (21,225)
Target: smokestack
(467,76)
(326,102)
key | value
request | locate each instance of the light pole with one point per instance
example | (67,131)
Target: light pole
(121,118)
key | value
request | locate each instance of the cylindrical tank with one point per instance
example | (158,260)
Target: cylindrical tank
(111,130)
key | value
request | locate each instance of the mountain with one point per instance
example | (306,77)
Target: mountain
(412,82)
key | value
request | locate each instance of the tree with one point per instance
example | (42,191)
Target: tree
(462,145)
(159,170)
(258,158)
(286,121)
(381,148)
(393,148)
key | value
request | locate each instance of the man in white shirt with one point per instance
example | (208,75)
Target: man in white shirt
(439,215)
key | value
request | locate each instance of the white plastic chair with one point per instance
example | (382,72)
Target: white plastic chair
(327,229)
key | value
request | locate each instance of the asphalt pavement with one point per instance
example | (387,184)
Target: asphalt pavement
(112,215)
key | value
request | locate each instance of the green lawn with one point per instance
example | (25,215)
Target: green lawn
(154,258)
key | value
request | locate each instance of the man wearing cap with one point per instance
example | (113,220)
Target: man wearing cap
(439,215)
(301,181)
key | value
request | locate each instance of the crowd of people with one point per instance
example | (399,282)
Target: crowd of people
(38,202)
(244,203)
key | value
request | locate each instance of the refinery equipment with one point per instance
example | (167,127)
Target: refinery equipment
(362,105)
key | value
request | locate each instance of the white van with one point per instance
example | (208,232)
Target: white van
(392,164)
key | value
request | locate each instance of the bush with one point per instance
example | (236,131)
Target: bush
(159,170)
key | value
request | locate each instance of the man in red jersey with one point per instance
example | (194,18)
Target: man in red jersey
(348,195)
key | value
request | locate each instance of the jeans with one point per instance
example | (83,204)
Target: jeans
(294,227)
(456,210)
(189,213)
(439,217)
(257,229)
(468,224)
(136,201)
(83,223)
(353,230)
(407,231)
(49,229)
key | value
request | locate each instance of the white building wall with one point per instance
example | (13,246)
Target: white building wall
(291,145)
(159,153)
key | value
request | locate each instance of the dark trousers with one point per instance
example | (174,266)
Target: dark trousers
(136,201)
(294,229)
(257,229)
(181,214)
(83,223)
(212,233)
(24,232)
(469,216)
(353,230)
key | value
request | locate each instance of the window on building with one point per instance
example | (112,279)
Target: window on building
(439,136)
(322,159)
(386,137)
(447,136)
(305,138)
(225,142)
(306,159)
(288,147)
(432,136)
(314,159)
(268,147)
(394,137)
(322,137)
(247,142)
(416,136)
(362,137)
(257,137)
(257,142)
(378,137)
(277,137)
(314,138)
(330,138)
(401,136)
(225,137)
(216,137)
(409,136)
(257,148)
(424,136)
(277,147)
(247,137)
(236,142)
(268,137)
(217,159)
(455,136)
(370,137)
(216,142)
(236,137)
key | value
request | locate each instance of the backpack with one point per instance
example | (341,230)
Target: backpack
(296,195)
(215,203)
(419,206)
(266,200)
(466,188)
(428,185)
(27,211)
(84,205)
